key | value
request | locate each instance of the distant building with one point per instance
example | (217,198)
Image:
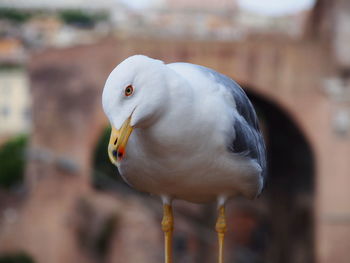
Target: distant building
(50,31)
(14,102)
(190,19)
(203,19)
(199,19)
(11,51)
(41,30)
(253,23)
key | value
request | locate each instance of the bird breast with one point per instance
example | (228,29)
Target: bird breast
(184,154)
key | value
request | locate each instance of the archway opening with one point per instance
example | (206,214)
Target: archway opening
(278,227)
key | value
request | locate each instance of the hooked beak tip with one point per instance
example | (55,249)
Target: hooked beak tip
(118,142)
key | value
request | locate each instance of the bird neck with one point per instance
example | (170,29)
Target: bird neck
(172,115)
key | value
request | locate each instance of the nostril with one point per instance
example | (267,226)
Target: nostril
(115,142)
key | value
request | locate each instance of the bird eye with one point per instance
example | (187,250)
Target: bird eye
(129,90)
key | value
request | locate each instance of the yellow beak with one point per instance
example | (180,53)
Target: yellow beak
(118,141)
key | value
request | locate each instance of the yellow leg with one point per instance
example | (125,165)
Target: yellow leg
(168,227)
(221,229)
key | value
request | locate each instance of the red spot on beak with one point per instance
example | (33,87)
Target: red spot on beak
(121,152)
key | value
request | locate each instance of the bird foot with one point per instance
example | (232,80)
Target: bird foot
(168,227)
(168,220)
(221,226)
(221,229)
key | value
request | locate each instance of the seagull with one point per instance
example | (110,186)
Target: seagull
(183,131)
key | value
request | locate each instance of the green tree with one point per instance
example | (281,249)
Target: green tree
(104,171)
(16,258)
(12,162)
(77,18)
(14,15)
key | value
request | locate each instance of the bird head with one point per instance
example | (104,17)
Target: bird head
(133,97)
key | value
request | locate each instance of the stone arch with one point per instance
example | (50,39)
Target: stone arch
(284,230)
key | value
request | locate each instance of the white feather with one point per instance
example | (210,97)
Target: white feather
(183,123)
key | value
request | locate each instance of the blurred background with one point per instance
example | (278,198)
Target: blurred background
(62,201)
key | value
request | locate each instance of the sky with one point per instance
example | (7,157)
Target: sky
(276,7)
(138,4)
(265,7)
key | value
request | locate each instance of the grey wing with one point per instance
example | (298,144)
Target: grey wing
(248,140)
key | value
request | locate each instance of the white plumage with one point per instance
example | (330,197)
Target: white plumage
(195,134)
